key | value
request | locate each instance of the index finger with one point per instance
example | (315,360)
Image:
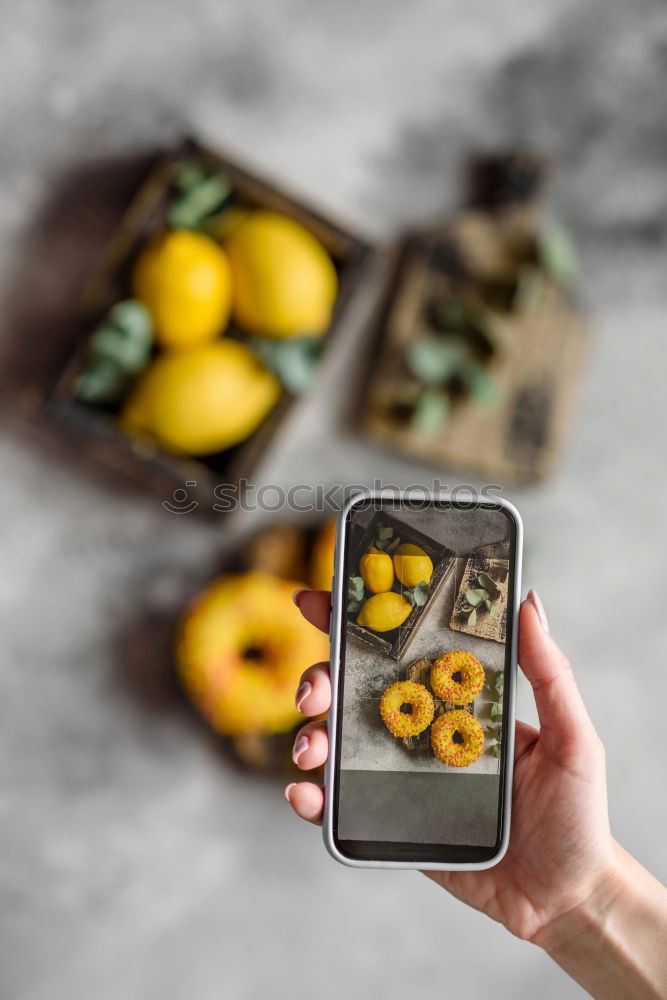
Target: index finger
(315,606)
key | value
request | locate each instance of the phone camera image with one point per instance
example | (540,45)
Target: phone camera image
(425,654)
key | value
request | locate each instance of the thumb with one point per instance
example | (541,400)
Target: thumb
(564,722)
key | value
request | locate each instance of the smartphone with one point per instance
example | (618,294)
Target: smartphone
(425,601)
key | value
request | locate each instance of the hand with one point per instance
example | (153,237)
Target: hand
(561,850)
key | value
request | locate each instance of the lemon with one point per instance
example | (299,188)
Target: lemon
(283,281)
(412,565)
(183,279)
(376,570)
(203,400)
(382,612)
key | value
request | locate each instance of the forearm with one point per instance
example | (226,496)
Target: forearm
(615,945)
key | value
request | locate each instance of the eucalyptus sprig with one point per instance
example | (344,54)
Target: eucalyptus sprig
(198,194)
(355,593)
(418,595)
(481,599)
(294,361)
(386,540)
(494,731)
(119,350)
(485,597)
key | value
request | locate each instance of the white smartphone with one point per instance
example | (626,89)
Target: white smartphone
(423,664)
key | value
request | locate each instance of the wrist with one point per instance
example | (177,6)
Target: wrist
(608,942)
(589,917)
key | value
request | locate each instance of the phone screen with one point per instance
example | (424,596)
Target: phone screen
(424,673)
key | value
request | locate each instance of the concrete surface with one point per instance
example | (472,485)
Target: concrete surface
(134,863)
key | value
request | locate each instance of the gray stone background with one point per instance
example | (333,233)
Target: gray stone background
(133,862)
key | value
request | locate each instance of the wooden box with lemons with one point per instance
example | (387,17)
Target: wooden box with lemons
(218,294)
(393,575)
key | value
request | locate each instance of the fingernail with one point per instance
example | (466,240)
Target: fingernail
(300,748)
(297,594)
(302,693)
(534,599)
(289,788)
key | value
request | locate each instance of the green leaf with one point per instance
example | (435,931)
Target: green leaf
(385,532)
(499,682)
(496,710)
(132,316)
(354,605)
(557,254)
(473,598)
(102,382)
(434,360)
(482,387)
(200,199)
(125,337)
(472,618)
(187,175)
(128,353)
(488,604)
(495,750)
(487,583)
(298,362)
(294,361)
(430,413)
(421,594)
(494,610)
(392,545)
(410,596)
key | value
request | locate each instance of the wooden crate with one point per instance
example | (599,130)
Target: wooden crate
(94,428)
(486,261)
(480,560)
(395,642)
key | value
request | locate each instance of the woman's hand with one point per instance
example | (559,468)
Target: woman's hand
(564,883)
(561,847)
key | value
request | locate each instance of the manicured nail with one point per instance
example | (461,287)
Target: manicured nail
(300,748)
(534,599)
(288,790)
(302,693)
(297,594)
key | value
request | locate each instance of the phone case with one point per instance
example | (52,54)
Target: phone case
(337,630)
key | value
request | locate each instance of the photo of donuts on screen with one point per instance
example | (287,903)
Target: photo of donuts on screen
(424,667)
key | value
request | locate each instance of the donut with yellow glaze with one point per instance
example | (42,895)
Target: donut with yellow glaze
(457,677)
(406,708)
(457,738)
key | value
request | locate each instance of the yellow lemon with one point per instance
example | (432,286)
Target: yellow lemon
(183,279)
(376,570)
(283,281)
(203,400)
(412,565)
(383,612)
